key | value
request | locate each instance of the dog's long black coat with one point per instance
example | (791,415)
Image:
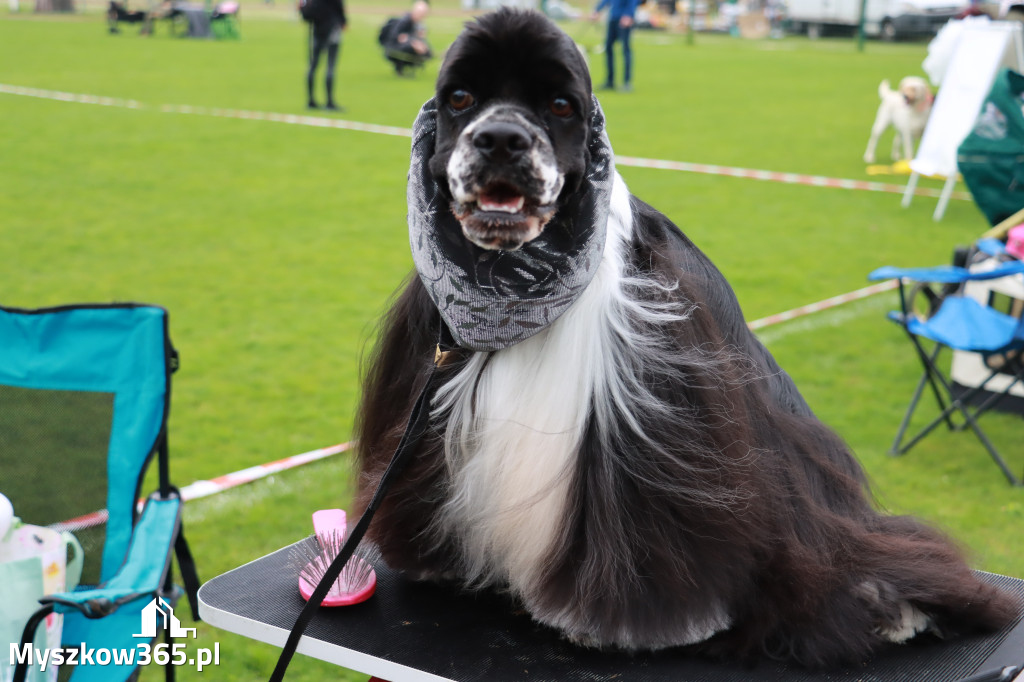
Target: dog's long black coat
(795,553)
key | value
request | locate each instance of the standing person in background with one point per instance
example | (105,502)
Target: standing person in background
(326,22)
(620,26)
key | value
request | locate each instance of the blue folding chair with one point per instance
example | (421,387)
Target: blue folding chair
(84,400)
(951,319)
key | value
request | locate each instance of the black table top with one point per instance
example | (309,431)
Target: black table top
(418,631)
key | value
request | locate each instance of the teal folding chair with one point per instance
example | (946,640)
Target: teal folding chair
(953,320)
(84,399)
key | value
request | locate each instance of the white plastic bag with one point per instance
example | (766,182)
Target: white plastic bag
(33,563)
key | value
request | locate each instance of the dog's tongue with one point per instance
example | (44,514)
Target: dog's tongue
(501,199)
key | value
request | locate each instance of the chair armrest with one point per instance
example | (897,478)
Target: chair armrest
(941,273)
(990,246)
(144,569)
(947,274)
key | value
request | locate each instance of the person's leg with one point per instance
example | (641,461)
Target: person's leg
(609,52)
(317,43)
(627,57)
(112,18)
(333,48)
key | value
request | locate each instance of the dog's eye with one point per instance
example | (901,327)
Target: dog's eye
(561,107)
(460,100)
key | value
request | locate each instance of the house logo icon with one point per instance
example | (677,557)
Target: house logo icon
(159,615)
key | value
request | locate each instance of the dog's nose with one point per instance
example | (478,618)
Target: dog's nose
(500,141)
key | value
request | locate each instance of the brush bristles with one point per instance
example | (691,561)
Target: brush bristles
(312,557)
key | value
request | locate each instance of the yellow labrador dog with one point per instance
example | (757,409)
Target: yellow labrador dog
(906,110)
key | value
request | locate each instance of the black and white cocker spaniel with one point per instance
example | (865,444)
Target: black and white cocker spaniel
(609,442)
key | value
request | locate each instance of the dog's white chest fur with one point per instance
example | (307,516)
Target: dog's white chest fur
(515,423)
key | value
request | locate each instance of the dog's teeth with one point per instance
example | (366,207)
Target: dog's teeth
(511,206)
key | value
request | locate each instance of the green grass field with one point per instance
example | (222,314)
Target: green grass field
(275,246)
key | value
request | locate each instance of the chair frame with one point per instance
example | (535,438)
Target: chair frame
(941,386)
(166,494)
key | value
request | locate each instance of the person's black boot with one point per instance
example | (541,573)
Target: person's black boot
(310,99)
(331,104)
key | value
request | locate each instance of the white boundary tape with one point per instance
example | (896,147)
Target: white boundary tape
(200,489)
(786,178)
(823,305)
(325,122)
(293,119)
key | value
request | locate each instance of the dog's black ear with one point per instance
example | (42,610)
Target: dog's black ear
(594,149)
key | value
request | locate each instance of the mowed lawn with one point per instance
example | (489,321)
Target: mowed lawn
(275,246)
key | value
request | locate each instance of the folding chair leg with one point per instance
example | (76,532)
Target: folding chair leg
(993,453)
(940,386)
(960,404)
(986,404)
(929,377)
(943,416)
(932,373)
(896,449)
(168,667)
(995,398)
(187,566)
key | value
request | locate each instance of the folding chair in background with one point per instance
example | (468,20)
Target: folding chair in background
(225,20)
(955,320)
(84,400)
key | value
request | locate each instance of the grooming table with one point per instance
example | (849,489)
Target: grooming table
(424,632)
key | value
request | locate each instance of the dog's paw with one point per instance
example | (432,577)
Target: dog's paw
(910,623)
(897,620)
(869,158)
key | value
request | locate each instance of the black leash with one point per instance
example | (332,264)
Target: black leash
(419,419)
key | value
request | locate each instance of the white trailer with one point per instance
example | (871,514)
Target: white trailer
(887,19)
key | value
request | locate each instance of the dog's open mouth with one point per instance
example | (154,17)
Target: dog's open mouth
(501,217)
(502,198)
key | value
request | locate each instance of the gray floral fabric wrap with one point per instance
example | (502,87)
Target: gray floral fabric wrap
(494,299)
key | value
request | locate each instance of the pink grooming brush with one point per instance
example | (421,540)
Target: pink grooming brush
(357,581)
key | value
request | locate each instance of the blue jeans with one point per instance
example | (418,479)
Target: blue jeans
(617,33)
